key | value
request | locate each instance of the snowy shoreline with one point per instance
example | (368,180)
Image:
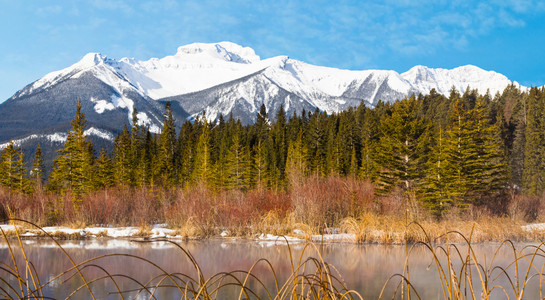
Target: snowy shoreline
(160,231)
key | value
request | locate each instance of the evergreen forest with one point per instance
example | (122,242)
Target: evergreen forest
(441,156)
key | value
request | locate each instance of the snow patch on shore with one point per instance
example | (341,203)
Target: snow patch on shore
(534,227)
(158,231)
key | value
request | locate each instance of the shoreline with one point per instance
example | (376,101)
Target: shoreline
(534,232)
(160,231)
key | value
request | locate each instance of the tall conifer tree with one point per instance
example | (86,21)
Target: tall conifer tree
(37,171)
(69,169)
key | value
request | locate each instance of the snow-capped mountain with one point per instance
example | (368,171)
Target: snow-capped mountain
(219,78)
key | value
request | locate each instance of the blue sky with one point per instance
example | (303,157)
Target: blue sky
(505,36)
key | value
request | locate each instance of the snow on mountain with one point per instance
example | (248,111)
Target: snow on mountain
(199,66)
(193,68)
(60,137)
(330,89)
(219,78)
(442,80)
(100,66)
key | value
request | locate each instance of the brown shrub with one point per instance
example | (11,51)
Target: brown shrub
(527,208)
(326,201)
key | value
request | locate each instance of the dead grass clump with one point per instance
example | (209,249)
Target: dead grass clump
(373,228)
(60,235)
(144,231)
(276,223)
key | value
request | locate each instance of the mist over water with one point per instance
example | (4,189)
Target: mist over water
(363,268)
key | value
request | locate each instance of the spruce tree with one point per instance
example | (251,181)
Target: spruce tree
(123,158)
(238,165)
(317,142)
(135,148)
(370,135)
(104,170)
(259,165)
(69,169)
(167,149)
(399,152)
(533,177)
(37,171)
(277,149)
(333,158)
(489,173)
(13,170)
(296,163)
(434,191)
(202,170)
(144,174)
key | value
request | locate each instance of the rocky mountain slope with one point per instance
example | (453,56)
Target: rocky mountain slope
(219,78)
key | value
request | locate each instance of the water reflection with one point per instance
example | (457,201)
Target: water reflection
(364,268)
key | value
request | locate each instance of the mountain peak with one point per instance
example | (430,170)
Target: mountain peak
(91,59)
(227,51)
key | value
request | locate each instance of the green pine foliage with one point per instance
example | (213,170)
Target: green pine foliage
(202,166)
(400,156)
(37,170)
(447,153)
(104,176)
(433,192)
(297,161)
(533,180)
(237,165)
(72,168)
(13,170)
(166,163)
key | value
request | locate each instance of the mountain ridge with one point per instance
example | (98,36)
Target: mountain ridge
(219,78)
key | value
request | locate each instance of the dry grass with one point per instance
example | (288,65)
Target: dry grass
(372,228)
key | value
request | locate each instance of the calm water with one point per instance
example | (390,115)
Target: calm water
(364,268)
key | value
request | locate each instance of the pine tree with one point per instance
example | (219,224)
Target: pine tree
(517,148)
(202,170)
(260,164)
(37,171)
(69,169)
(167,149)
(369,169)
(104,170)
(433,192)
(334,147)
(144,172)
(460,156)
(489,173)
(12,174)
(277,149)
(262,124)
(533,176)
(354,169)
(317,142)
(296,164)
(238,168)
(400,158)
(135,149)
(123,157)
(349,135)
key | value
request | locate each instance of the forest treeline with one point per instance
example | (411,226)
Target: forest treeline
(440,153)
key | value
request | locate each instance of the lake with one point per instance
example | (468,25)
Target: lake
(364,268)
